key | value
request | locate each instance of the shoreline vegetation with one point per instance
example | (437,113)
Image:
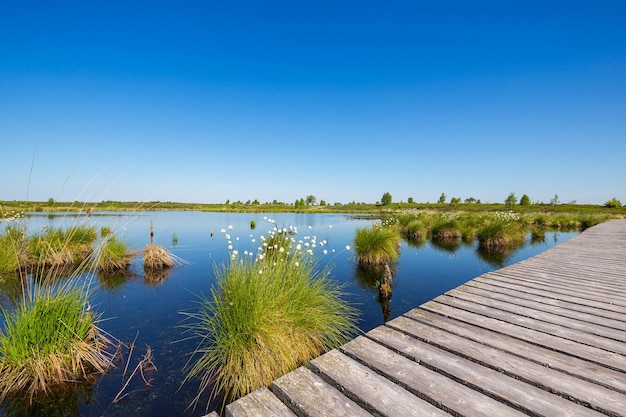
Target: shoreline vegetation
(278,207)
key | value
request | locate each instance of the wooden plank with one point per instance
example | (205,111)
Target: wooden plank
(586,284)
(518,394)
(571,365)
(612,319)
(425,383)
(549,341)
(370,390)
(531,323)
(539,290)
(570,290)
(567,386)
(259,403)
(542,315)
(307,394)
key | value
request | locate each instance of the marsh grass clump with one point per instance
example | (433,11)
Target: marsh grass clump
(537,234)
(113,255)
(447,228)
(156,257)
(500,234)
(50,339)
(376,245)
(13,249)
(416,230)
(265,317)
(56,247)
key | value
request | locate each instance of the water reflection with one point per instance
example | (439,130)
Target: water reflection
(446,245)
(114,280)
(60,403)
(378,279)
(155,276)
(498,256)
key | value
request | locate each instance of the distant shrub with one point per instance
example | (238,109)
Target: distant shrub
(613,203)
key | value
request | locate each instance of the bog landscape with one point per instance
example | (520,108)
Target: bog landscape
(114,308)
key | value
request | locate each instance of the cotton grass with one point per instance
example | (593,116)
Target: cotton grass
(264,318)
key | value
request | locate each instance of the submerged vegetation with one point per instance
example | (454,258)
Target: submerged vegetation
(266,317)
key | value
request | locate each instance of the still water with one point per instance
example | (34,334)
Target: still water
(147,310)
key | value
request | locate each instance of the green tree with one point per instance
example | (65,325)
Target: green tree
(410,200)
(386,199)
(525,200)
(322,202)
(310,200)
(50,202)
(613,203)
(511,200)
(455,200)
(555,199)
(442,198)
(470,200)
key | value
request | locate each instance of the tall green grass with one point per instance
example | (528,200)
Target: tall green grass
(55,247)
(113,255)
(49,340)
(376,245)
(264,319)
(498,234)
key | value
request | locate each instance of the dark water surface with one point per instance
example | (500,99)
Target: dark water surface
(147,310)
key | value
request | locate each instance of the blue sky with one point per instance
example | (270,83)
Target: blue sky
(344,100)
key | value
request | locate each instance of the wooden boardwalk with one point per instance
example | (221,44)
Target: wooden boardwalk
(543,337)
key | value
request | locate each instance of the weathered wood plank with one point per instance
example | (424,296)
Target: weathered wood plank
(569,364)
(567,386)
(588,285)
(580,350)
(518,394)
(260,403)
(561,290)
(531,323)
(307,394)
(373,392)
(425,383)
(591,327)
(611,319)
(541,291)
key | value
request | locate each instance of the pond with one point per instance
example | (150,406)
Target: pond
(147,310)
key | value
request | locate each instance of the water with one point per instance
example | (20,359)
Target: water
(148,312)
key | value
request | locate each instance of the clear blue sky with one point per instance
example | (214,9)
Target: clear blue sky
(206,101)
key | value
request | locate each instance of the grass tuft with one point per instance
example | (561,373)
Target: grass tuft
(264,319)
(157,257)
(50,339)
(376,245)
(113,255)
